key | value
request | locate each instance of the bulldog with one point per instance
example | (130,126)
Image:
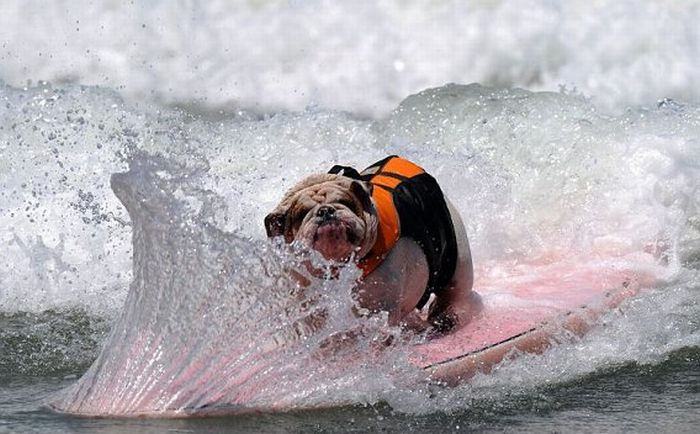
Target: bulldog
(393,221)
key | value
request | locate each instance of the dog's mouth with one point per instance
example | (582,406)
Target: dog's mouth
(333,226)
(335,240)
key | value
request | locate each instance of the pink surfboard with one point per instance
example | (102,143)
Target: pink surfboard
(525,306)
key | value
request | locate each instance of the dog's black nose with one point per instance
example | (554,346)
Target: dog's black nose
(325,212)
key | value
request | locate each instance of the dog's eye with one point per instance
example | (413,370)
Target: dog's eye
(352,206)
(299,214)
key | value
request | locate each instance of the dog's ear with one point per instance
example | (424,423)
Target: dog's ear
(274,224)
(363,191)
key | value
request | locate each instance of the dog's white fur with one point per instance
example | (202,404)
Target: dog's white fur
(399,282)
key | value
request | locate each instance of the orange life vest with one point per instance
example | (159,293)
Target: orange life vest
(409,203)
(384,179)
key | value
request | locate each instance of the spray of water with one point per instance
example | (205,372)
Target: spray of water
(215,323)
(211,317)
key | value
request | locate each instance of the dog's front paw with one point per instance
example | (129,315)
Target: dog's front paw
(442,323)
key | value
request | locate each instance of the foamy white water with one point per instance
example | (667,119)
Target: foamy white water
(608,165)
(533,174)
(360,56)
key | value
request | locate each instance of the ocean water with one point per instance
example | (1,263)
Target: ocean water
(580,136)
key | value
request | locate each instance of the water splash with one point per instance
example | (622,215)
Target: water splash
(532,174)
(213,322)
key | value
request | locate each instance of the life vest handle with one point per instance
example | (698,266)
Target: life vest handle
(348,171)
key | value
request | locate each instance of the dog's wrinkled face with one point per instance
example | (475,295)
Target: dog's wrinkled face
(332,214)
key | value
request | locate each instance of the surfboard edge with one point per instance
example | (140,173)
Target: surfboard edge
(536,340)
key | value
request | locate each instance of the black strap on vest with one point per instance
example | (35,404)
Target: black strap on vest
(348,171)
(423,216)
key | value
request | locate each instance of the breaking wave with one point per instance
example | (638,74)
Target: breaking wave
(532,173)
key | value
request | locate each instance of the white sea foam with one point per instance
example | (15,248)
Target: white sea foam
(531,173)
(360,56)
(601,168)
